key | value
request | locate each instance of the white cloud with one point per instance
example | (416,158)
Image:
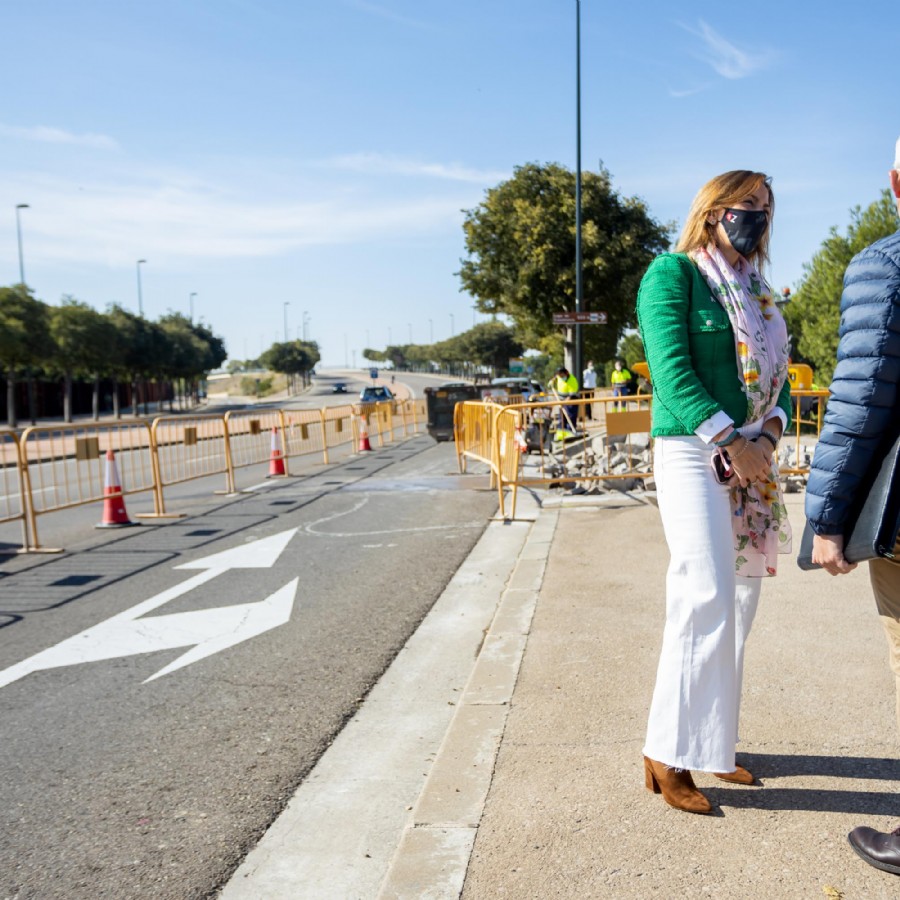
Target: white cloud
(379,164)
(688,92)
(113,222)
(725,57)
(47,135)
(385,13)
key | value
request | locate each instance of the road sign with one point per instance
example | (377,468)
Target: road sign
(579,318)
(206,631)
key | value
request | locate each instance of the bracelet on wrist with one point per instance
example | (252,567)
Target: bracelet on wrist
(728,439)
(734,456)
(770,438)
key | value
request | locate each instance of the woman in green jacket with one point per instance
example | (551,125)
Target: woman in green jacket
(717,348)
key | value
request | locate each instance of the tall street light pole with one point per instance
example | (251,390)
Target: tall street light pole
(287,303)
(19,235)
(579,287)
(191,304)
(140,295)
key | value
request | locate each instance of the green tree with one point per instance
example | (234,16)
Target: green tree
(813,315)
(292,358)
(521,253)
(25,339)
(490,344)
(81,338)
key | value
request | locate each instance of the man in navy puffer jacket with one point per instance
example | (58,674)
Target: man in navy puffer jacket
(864,408)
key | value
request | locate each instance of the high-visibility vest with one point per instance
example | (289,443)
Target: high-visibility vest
(620,377)
(566,385)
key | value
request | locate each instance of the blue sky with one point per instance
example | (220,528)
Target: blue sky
(262,152)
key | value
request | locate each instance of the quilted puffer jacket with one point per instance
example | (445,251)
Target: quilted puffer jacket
(864,410)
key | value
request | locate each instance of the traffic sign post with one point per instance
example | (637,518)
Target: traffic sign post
(579,318)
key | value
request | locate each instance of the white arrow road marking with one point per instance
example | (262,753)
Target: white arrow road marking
(207,630)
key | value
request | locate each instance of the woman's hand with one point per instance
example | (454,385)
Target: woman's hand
(751,462)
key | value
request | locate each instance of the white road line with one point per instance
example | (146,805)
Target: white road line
(311,527)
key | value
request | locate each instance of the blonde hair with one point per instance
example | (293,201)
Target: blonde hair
(718,193)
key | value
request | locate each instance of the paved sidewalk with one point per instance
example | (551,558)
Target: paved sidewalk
(532,785)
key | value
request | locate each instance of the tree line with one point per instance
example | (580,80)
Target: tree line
(74,341)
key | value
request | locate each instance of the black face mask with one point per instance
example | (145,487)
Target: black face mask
(745,228)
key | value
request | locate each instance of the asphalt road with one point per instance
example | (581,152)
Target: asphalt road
(150,770)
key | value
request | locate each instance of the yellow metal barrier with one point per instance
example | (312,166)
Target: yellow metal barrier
(64,465)
(497,435)
(52,468)
(473,428)
(13,499)
(188,447)
(304,432)
(250,437)
(338,424)
(808,411)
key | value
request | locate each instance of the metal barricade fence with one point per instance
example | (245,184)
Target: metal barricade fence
(13,502)
(808,413)
(507,427)
(251,434)
(604,446)
(383,415)
(473,422)
(304,432)
(339,425)
(64,465)
(188,447)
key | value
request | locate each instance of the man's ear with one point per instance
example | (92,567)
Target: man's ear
(895,182)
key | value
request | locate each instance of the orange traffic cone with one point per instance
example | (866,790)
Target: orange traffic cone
(363,435)
(114,514)
(276,460)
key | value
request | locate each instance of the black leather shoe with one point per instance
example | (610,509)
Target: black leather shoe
(877,848)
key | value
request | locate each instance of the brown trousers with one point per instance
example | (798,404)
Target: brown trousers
(885,575)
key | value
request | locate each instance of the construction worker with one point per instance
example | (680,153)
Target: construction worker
(621,381)
(564,385)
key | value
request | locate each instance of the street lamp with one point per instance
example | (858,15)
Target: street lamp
(140,295)
(287,303)
(19,235)
(191,304)
(579,288)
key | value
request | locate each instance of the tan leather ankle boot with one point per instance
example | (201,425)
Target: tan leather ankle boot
(739,776)
(676,786)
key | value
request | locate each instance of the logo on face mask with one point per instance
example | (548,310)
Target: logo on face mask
(745,228)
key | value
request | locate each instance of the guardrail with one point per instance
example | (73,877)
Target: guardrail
(13,499)
(63,466)
(605,438)
(189,447)
(53,468)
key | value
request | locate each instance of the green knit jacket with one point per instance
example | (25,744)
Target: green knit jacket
(690,349)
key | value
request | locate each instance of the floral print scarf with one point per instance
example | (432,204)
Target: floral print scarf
(759,520)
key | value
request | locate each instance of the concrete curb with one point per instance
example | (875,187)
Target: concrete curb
(434,852)
(340,832)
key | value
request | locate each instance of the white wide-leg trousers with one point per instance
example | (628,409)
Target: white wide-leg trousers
(709,611)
